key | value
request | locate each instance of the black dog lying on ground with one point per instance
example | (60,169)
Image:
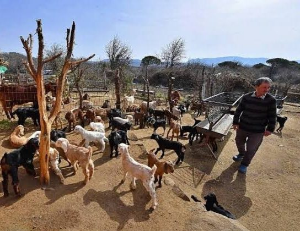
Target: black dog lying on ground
(10,163)
(281,120)
(25,112)
(213,205)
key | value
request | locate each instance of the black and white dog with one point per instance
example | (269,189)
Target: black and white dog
(156,123)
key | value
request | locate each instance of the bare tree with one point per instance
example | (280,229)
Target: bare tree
(173,52)
(37,74)
(119,54)
(56,64)
(78,78)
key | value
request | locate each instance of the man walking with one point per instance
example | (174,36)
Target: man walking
(255,117)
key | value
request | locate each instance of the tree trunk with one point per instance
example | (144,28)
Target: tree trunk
(207,90)
(44,152)
(170,87)
(45,132)
(147,84)
(117,88)
(80,95)
(144,88)
(201,83)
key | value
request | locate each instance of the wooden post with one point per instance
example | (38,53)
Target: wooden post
(170,89)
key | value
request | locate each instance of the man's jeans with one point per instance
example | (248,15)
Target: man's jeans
(247,144)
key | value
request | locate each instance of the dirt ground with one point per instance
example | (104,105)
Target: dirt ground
(267,198)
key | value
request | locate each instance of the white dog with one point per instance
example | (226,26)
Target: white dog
(54,163)
(97,126)
(138,171)
(91,136)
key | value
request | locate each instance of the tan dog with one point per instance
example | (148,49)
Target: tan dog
(162,166)
(17,138)
(175,127)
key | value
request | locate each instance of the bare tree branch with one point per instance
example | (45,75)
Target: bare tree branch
(41,47)
(74,63)
(27,45)
(174,52)
(52,58)
(118,54)
(28,68)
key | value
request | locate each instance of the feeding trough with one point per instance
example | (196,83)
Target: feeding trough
(218,118)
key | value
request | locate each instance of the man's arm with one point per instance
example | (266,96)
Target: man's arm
(238,112)
(272,117)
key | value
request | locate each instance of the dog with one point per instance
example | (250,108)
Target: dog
(138,171)
(281,120)
(10,163)
(163,144)
(25,112)
(213,205)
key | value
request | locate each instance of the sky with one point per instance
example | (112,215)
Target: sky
(209,28)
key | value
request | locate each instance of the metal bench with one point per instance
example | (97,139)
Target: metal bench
(218,118)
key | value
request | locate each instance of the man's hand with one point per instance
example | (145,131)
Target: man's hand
(267,133)
(235,127)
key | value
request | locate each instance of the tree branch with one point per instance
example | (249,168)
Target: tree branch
(27,45)
(52,58)
(74,63)
(41,47)
(28,69)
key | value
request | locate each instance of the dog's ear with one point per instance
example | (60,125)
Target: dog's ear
(168,167)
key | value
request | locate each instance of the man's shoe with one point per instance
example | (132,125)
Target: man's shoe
(238,158)
(243,169)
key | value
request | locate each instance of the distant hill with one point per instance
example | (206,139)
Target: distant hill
(13,57)
(217,60)
(242,60)
(134,62)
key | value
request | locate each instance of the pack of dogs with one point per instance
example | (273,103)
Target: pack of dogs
(81,155)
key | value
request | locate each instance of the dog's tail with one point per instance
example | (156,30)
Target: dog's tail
(195,198)
(153,169)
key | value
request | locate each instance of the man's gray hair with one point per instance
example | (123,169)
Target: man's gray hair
(261,80)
